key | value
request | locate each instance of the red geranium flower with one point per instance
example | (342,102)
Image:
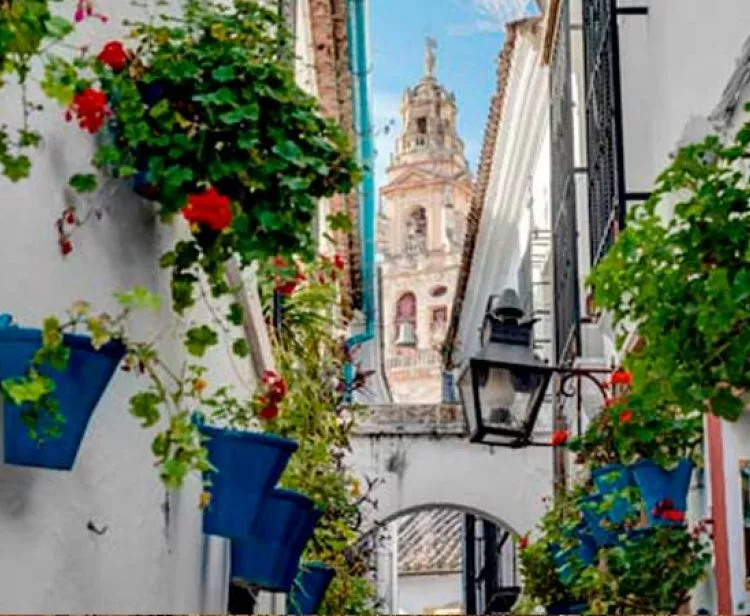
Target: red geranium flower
(90,107)
(621,377)
(269,410)
(209,208)
(338,262)
(560,437)
(113,55)
(626,416)
(275,385)
(665,510)
(523,542)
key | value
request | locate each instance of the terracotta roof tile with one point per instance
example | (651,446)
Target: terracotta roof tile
(430,541)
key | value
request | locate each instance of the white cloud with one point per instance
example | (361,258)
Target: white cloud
(491,15)
(386,125)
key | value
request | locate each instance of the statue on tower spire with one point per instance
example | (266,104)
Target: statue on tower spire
(429,56)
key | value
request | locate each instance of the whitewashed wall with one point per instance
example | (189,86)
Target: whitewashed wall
(675,64)
(146,561)
(419,593)
(421,472)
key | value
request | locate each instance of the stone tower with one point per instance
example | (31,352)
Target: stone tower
(423,207)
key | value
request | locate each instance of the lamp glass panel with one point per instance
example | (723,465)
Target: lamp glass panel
(505,396)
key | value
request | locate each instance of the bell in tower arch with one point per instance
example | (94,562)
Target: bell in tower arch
(405,335)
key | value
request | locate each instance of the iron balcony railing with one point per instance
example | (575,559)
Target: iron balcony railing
(603,124)
(564,236)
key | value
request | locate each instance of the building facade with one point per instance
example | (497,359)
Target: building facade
(423,206)
(628,88)
(107,536)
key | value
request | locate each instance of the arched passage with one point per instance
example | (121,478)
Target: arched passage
(417,471)
(442,556)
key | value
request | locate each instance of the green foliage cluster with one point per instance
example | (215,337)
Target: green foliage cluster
(28,29)
(310,355)
(680,273)
(209,98)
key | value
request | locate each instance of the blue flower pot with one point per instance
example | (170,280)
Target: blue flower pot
(611,479)
(269,557)
(151,92)
(593,519)
(248,465)
(77,389)
(309,588)
(586,552)
(561,608)
(588,547)
(657,485)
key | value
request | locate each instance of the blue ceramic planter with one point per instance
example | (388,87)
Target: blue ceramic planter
(309,588)
(151,92)
(586,552)
(658,485)
(269,557)
(611,479)
(248,465)
(77,389)
(593,519)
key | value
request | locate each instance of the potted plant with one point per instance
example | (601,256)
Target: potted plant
(207,117)
(655,570)
(269,556)
(309,588)
(245,467)
(51,384)
(661,441)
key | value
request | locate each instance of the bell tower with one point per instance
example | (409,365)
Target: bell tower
(423,208)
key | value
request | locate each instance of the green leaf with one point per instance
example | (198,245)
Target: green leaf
(224,74)
(29,389)
(235,314)
(16,168)
(198,339)
(139,298)
(340,221)
(240,348)
(83,182)
(145,406)
(57,27)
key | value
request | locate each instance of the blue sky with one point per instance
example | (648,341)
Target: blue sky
(468,43)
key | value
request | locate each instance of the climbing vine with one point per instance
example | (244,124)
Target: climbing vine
(311,353)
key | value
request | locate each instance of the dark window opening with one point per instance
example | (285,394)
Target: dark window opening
(422,126)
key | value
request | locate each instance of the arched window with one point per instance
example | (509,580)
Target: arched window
(405,322)
(416,232)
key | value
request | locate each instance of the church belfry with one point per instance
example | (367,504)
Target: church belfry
(423,206)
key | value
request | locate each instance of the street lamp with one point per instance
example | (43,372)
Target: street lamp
(503,387)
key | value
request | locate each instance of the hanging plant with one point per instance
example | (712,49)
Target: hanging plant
(174,392)
(681,274)
(207,119)
(28,30)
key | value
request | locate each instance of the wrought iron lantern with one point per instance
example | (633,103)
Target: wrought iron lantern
(503,387)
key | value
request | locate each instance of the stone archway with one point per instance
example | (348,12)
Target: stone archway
(421,463)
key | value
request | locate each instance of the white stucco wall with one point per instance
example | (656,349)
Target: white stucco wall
(418,472)
(418,593)
(675,64)
(49,561)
